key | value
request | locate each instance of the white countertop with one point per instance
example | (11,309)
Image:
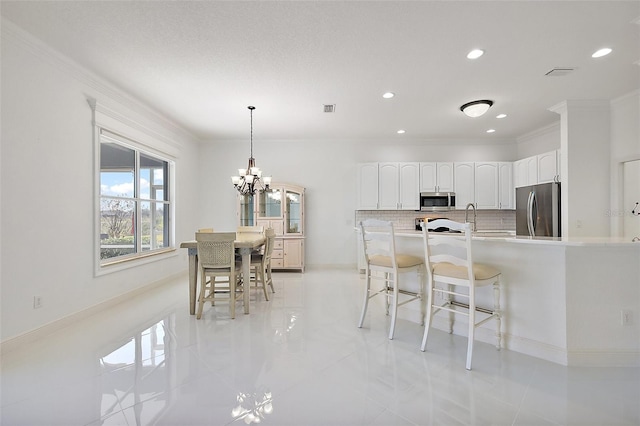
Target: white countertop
(499,236)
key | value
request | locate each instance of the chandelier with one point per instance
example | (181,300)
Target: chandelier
(250,179)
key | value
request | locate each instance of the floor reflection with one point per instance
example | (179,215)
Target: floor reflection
(252,407)
(140,370)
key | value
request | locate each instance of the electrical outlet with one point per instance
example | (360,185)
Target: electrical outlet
(37,302)
(626,317)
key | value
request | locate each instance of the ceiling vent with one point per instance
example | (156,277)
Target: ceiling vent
(559,72)
(330,108)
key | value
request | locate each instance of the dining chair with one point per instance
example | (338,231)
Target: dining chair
(450,262)
(261,264)
(216,255)
(384,265)
(256,229)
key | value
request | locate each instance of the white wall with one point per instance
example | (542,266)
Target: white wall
(625,146)
(47,192)
(327,169)
(539,141)
(47,176)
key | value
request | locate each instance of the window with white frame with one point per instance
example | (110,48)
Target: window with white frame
(135,205)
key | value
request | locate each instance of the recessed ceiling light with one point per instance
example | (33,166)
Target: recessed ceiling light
(400,132)
(475,54)
(501,115)
(388,95)
(602,52)
(491,130)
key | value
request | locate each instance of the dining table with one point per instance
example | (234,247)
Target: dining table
(245,243)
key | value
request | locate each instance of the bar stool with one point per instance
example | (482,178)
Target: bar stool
(385,265)
(450,262)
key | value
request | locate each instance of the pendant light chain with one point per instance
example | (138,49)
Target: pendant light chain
(251,108)
(250,179)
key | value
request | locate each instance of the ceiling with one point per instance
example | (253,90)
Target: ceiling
(201,64)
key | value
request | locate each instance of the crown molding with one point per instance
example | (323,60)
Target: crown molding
(539,132)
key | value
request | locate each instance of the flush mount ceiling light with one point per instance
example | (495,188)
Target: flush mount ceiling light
(476,108)
(401,131)
(475,54)
(501,115)
(602,52)
(388,95)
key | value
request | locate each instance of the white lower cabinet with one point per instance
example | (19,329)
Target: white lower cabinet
(293,257)
(288,253)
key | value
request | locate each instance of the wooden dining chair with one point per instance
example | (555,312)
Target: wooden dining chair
(261,264)
(216,255)
(256,229)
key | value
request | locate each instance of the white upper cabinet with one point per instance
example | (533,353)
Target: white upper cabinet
(464,184)
(486,186)
(548,170)
(541,168)
(367,186)
(436,177)
(388,186)
(506,188)
(409,192)
(526,171)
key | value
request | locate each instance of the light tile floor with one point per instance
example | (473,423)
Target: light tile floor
(298,359)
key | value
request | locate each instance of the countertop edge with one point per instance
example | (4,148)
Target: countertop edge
(572,242)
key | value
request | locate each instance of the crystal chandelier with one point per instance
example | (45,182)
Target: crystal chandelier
(250,179)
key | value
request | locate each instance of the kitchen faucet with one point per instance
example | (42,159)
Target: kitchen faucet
(466,215)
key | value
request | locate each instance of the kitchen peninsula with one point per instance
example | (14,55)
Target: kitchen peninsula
(571,301)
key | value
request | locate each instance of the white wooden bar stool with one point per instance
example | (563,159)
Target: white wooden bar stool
(385,265)
(450,262)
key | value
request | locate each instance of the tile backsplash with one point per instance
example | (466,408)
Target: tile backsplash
(404,219)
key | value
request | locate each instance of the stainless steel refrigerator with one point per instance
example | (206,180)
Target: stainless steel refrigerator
(538,210)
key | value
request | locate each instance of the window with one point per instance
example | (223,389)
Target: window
(134,200)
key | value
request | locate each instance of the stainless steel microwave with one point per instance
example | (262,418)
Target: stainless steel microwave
(437,201)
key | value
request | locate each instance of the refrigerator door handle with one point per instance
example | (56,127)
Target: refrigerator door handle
(530,224)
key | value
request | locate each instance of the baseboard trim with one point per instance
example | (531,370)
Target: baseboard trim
(604,359)
(56,325)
